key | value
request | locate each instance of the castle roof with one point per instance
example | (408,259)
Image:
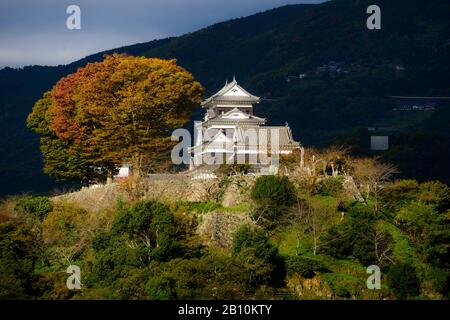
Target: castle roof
(285,139)
(240,135)
(234,116)
(231,93)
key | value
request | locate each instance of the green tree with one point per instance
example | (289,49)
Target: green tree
(141,233)
(211,276)
(311,218)
(36,207)
(436,194)
(303,266)
(161,289)
(259,255)
(399,193)
(402,279)
(18,255)
(359,235)
(428,229)
(273,196)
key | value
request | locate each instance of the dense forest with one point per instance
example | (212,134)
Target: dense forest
(409,56)
(309,233)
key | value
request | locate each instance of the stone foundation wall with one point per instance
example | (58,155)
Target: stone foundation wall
(163,188)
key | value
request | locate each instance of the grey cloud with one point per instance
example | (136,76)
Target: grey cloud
(34,31)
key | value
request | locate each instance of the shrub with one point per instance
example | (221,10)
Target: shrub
(399,193)
(274,190)
(52,286)
(208,277)
(343,284)
(18,255)
(272,194)
(247,236)
(440,280)
(133,186)
(437,194)
(303,266)
(161,288)
(428,229)
(65,225)
(256,251)
(330,186)
(116,260)
(233,169)
(418,220)
(403,281)
(37,207)
(196,206)
(143,232)
(343,239)
(150,224)
(358,236)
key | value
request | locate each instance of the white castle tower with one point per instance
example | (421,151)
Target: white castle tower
(231,133)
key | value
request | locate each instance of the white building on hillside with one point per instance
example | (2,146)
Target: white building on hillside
(232,133)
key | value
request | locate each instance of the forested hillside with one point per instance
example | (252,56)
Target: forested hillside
(308,235)
(410,55)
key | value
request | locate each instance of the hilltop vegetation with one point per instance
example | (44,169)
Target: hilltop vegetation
(310,233)
(120,109)
(261,50)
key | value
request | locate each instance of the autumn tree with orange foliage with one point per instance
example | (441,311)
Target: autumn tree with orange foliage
(122,109)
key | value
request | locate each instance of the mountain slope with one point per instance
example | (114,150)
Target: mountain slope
(261,50)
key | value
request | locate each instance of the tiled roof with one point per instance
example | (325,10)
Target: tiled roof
(225,117)
(243,135)
(220,95)
(284,134)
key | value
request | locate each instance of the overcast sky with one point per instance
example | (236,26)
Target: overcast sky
(35,32)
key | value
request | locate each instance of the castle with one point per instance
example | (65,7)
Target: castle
(231,133)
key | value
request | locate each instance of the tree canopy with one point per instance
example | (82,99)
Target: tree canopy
(121,109)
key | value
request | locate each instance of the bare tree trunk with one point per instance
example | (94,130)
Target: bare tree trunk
(298,234)
(314,235)
(109,177)
(332,169)
(375,195)
(137,165)
(302,157)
